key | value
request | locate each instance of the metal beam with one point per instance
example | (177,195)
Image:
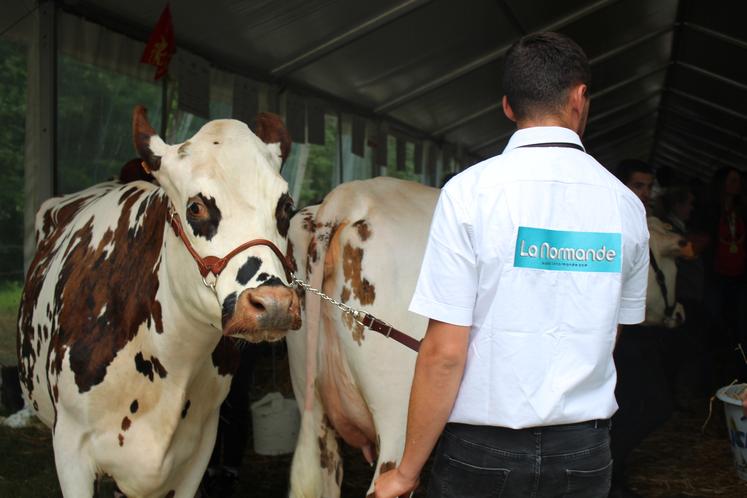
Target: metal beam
(690,151)
(630,80)
(624,138)
(347,37)
(712,75)
(683,161)
(631,44)
(623,107)
(706,103)
(694,117)
(594,136)
(670,162)
(715,34)
(694,136)
(686,156)
(486,59)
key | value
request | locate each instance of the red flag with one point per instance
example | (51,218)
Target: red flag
(161,45)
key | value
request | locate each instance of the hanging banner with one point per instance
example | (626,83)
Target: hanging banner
(245,100)
(295,117)
(161,45)
(401,153)
(432,168)
(381,145)
(418,158)
(194,85)
(358,136)
(315,122)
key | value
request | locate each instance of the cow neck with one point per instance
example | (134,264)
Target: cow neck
(214,265)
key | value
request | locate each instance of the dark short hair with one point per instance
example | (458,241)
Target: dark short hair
(627,167)
(539,70)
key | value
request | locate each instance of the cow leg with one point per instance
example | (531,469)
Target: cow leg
(189,477)
(317,465)
(75,471)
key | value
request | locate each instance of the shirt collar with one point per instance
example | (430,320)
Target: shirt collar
(542,134)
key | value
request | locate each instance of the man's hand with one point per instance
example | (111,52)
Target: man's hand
(392,484)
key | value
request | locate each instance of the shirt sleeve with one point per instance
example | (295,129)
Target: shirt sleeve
(447,284)
(635,283)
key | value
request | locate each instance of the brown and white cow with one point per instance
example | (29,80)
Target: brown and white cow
(123,351)
(363,246)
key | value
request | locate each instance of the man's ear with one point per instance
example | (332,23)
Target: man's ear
(507,110)
(578,97)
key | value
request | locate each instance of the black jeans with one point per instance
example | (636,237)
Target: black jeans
(643,392)
(555,461)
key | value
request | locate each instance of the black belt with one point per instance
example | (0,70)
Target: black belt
(567,145)
(596,424)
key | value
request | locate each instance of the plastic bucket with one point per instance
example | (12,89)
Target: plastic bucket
(275,422)
(736,423)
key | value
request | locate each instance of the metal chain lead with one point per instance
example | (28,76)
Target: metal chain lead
(297,282)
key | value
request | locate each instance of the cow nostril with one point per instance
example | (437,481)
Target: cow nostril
(257,303)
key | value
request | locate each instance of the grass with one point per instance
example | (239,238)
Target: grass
(10,296)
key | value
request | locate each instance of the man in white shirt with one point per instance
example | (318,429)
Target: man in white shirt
(534,257)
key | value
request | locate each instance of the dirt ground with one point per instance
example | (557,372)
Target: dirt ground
(676,461)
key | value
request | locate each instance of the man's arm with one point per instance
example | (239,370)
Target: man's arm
(438,374)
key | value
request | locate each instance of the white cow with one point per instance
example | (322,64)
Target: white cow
(123,351)
(363,246)
(666,246)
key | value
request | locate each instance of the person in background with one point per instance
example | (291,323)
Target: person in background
(727,261)
(643,392)
(689,347)
(533,258)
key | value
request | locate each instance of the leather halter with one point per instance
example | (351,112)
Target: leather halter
(215,265)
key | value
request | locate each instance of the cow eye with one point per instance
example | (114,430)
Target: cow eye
(196,209)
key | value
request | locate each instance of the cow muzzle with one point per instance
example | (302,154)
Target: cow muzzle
(264,313)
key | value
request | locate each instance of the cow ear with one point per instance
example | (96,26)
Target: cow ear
(148,145)
(272,131)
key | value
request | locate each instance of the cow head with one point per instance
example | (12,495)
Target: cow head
(224,184)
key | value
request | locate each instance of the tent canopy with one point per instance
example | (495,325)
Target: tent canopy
(668,79)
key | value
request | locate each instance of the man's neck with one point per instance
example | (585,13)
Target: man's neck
(545,121)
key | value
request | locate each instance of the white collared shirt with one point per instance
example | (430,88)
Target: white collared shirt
(542,252)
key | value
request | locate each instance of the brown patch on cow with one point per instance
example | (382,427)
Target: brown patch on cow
(170,494)
(290,256)
(149,367)
(356,328)
(157,316)
(386,467)
(121,439)
(55,393)
(312,255)
(133,171)
(55,220)
(36,406)
(326,455)
(126,423)
(107,275)
(134,406)
(363,290)
(345,294)
(226,356)
(308,222)
(283,214)
(363,230)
